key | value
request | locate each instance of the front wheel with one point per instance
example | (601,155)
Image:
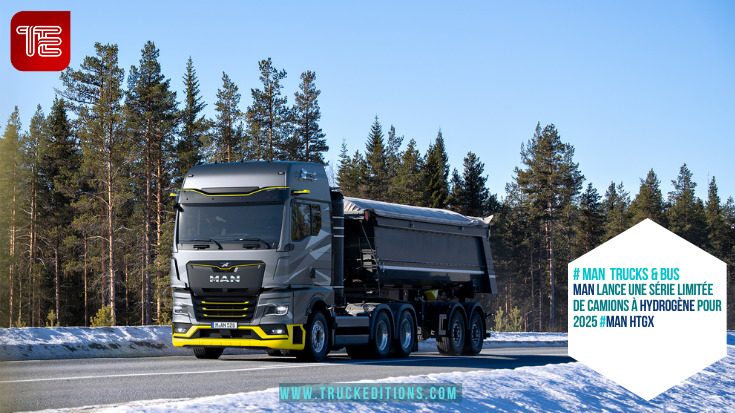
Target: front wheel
(317,338)
(210,353)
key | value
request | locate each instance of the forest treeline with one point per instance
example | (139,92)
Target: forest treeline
(87,218)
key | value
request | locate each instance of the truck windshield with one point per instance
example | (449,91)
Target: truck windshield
(231,223)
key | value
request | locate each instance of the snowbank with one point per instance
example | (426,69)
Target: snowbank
(551,388)
(36,343)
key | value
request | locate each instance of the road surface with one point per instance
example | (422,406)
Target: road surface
(50,384)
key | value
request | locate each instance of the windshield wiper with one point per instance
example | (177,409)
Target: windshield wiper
(219,246)
(258,240)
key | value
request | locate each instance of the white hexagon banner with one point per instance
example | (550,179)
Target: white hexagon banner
(647,309)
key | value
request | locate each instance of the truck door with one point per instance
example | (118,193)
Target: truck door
(311,259)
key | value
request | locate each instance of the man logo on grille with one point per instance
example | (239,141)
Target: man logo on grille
(39,40)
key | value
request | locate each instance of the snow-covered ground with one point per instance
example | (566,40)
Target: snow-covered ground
(557,387)
(84,342)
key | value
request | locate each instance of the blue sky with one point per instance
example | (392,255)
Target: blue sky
(632,85)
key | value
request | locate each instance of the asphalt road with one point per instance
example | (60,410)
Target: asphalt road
(50,384)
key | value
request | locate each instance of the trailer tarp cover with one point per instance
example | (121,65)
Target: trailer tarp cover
(412,213)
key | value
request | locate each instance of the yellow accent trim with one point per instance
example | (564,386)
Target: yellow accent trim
(250,193)
(224,309)
(224,269)
(173,194)
(301,192)
(281,341)
(219,302)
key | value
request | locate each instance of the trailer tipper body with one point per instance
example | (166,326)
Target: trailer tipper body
(267,255)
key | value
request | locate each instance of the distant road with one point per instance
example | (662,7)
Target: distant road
(49,384)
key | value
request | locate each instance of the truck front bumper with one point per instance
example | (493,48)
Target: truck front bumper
(244,336)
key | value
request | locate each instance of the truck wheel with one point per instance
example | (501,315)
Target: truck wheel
(317,339)
(381,343)
(208,352)
(406,336)
(453,343)
(475,335)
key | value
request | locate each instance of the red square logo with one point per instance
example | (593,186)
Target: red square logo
(39,40)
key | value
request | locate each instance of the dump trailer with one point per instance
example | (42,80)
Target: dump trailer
(267,255)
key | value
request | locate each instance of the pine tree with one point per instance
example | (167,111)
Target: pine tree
(546,179)
(193,126)
(95,93)
(590,227)
(225,145)
(436,167)
(31,161)
(376,164)
(310,139)
(151,109)
(410,170)
(10,170)
(649,201)
(58,172)
(686,214)
(269,119)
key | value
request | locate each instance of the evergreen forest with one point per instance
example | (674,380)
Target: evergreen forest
(87,222)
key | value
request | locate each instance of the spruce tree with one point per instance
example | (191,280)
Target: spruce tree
(686,213)
(616,205)
(436,167)
(376,164)
(193,126)
(649,202)
(269,119)
(225,145)
(590,227)
(470,195)
(309,138)
(409,172)
(717,231)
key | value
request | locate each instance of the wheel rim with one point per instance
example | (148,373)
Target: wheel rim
(457,333)
(381,336)
(406,334)
(475,333)
(317,337)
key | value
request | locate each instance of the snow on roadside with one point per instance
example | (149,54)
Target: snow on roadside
(558,387)
(551,388)
(36,343)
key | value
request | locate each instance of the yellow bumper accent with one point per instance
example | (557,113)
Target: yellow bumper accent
(281,341)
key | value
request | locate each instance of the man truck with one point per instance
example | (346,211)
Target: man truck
(267,255)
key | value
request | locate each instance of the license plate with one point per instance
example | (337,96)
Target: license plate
(225,325)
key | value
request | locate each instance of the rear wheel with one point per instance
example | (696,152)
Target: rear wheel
(453,343)
(317,338)
(475,335)
(211,353)
(382,337)
(406,335)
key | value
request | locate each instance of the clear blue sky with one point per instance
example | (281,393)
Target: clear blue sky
(632,85)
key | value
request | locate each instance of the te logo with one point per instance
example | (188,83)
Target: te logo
(39,40)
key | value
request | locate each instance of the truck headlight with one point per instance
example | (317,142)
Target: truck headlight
(281,309)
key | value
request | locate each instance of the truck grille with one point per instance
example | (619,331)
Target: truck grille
(239,309)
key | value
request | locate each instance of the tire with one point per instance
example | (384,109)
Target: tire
(211,353)
(475,335)
(317,339)
(405,336)
(382,338)
(453,343)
